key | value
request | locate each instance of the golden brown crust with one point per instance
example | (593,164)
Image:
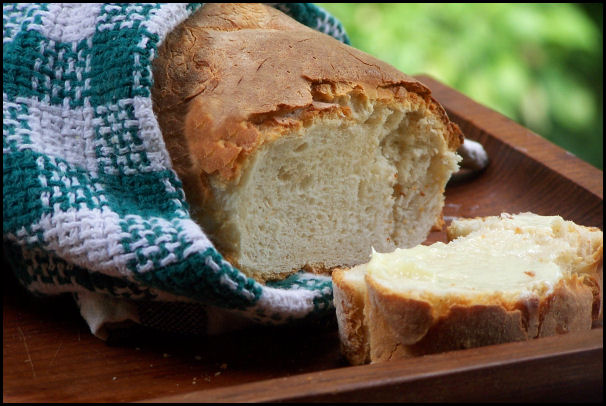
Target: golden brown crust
(394,322)
(320,269)
(401,327)
(232,67)
(353,331)
(439,224)
(408,318)
(471,326)
(569,308)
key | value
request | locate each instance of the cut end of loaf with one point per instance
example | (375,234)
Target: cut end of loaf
(294,149)
(363,174)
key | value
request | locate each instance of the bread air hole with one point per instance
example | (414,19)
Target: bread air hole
(284,175)
(301,147)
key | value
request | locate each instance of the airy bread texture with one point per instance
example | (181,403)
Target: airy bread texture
(499,279)
(295,150)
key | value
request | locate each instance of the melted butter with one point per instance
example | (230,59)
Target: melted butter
(494,261)
(531,220)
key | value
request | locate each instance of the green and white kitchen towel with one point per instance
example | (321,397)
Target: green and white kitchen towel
(91,204)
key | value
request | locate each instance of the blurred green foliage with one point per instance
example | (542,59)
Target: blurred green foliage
(538,64)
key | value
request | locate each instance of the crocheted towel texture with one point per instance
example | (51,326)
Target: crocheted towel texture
(91,204)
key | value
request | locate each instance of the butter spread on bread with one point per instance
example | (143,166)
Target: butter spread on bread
(499,279)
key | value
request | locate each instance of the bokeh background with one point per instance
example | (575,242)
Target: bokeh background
(538,64)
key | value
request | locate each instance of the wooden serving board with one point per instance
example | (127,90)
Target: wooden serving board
(50,356)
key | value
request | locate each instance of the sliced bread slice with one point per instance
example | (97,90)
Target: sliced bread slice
(499,279)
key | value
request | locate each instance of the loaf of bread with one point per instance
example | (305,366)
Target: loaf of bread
(499,279)
(297,151)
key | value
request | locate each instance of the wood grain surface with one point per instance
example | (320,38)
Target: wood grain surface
(49,354)
(550,369)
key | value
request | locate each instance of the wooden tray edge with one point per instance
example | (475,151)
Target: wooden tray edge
(531,144)
(548,361)
(572,351)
